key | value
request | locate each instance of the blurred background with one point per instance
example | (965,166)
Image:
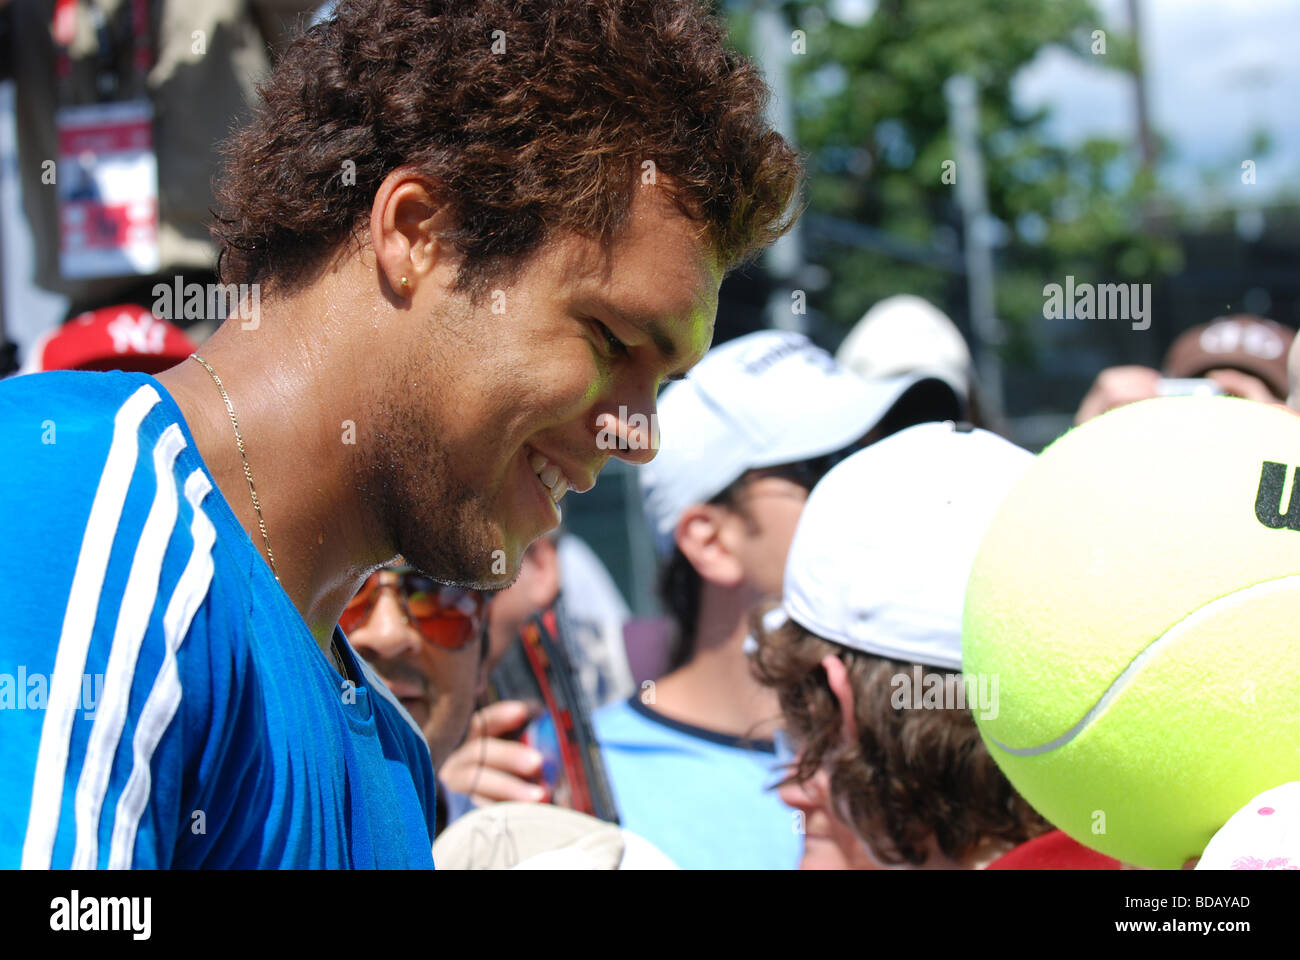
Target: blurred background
(970,152)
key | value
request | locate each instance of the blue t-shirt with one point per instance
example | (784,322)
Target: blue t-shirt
(705,799)
(162,702)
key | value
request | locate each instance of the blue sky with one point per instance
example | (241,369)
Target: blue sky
(1217,70)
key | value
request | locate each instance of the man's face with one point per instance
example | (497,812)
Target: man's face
(436,685)
(494,407)
(769,505)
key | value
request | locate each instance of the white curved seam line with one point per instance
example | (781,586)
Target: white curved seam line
(1170,636)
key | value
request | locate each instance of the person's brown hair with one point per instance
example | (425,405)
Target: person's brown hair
(912,775)
(534,118)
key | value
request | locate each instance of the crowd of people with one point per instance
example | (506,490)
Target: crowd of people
(816,529)
(296,552)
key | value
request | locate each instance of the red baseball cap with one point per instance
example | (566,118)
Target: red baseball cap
(121,337)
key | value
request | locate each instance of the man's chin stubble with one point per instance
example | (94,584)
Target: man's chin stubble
(438,525)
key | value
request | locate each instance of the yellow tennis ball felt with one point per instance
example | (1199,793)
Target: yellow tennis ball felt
(1137,598)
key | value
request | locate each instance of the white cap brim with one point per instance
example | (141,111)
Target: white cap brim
(763,400)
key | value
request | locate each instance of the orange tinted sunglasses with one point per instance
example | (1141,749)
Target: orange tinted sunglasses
(447,617)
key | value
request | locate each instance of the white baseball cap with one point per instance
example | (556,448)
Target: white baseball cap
(1262,835)
(885,544)
(762,400)
(906,334)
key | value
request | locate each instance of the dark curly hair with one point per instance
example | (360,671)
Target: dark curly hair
(534,117)
(913,775)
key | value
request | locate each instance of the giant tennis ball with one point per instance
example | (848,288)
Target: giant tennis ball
(1136,601)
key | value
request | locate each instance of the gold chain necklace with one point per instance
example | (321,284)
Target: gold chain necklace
(252,491)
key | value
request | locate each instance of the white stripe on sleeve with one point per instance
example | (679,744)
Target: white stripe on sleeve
(138,600)
(78,624)
(165,697)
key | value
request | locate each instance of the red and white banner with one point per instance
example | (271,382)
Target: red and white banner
(107,178)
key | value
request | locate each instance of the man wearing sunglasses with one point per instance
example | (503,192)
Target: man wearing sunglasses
(745,438)
(428,643)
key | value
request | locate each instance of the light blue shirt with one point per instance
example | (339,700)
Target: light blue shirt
(703,798)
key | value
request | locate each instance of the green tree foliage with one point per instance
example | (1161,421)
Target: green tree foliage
(873,121)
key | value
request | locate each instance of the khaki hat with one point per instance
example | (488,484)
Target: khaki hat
(540,836)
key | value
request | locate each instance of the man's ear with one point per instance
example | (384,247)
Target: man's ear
(408,220)
(705,541)
(837,677)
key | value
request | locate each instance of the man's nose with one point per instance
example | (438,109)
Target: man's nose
(629,433)
(387,633)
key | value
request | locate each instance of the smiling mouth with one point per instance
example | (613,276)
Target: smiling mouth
(556,484)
